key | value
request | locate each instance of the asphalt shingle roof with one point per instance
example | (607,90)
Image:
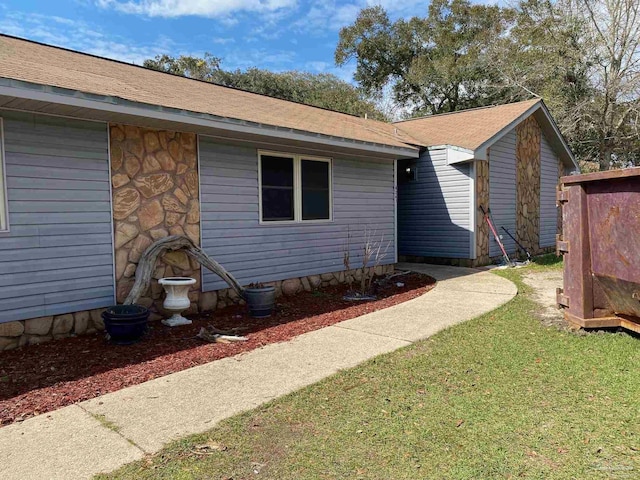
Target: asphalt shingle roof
(467,128)
(46,65)
(36,63)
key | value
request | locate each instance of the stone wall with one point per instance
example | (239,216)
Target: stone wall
(291,286)
(155,182)
(528,136)
(482,200)
(43,329)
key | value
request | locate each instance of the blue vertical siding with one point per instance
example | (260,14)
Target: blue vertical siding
(434,210)
(232,234)
(57,257)
(502,192)
(548,182)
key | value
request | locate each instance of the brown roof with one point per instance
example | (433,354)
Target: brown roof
(467,128)
(45,65)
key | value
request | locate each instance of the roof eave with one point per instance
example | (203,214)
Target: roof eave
(67,97)
(561,146)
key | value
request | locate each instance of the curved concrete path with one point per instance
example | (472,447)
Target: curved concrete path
(102,434)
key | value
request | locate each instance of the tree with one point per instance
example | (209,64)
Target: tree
(582,57)
(207,68)
(545,55)
(434,64)
(320,90)
(614,30)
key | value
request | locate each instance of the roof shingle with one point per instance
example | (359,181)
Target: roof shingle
(45,65)
(467,128)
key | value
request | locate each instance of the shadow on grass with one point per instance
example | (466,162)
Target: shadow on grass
(548,260)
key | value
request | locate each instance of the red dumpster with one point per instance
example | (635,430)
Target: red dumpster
(600,242)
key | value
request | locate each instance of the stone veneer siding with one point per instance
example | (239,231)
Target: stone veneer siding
(482,200)
(154,175)
(528,184)
(40,330)
(292,286)
(43,329)
(155,184)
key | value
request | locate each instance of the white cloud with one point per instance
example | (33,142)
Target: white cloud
(223,40)
(402,8)
(331,15)
(81,36)
(201,8)
(276,61)
(317,66)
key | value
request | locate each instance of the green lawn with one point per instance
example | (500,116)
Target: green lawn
(500,396)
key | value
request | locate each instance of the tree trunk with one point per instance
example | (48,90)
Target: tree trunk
(147,265)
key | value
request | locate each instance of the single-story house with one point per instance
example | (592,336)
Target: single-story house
(504,159)
(100,158)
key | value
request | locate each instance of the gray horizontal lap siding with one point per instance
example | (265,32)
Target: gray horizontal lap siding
(502,192)
(433,211)
(548,182)
(233,236)
(57,257)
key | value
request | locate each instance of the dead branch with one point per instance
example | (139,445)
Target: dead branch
(379,255)
(213,335)
(147,265)
(346,256)
(367,252)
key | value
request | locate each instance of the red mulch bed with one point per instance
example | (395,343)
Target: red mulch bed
(42,378)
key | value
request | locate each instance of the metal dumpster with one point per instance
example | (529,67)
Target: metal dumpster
(600,242)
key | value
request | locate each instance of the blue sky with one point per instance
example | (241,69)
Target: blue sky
(273,34)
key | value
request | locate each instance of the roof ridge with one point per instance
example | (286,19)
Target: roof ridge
(485,107)
(121,62)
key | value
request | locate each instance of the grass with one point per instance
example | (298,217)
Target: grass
(546,262)
(500,396)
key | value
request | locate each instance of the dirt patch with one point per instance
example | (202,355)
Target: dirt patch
(41,378)
(544,286)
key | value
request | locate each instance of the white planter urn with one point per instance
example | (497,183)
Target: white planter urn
(177,299)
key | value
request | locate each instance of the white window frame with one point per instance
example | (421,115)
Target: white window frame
(4,204)
(297,187)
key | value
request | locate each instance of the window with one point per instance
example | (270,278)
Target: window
(277,188)
(294,188)
(315,190)
(4,221)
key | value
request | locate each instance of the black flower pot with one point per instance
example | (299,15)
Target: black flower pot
(260,301)
(125,324)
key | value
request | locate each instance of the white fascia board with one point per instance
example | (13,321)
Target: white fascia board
(481,151)
(459,155)
(48,94)
(455,154)
(565,146)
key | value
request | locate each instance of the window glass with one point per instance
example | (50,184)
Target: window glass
(277,188)
(315,190)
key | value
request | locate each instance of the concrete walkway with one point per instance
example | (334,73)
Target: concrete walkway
(102,434)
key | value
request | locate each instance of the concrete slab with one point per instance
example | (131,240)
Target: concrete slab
(461,294)
(65,444)
(159,411)
(457,279)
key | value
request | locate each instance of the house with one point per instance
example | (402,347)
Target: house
(100,158)
(504,159)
